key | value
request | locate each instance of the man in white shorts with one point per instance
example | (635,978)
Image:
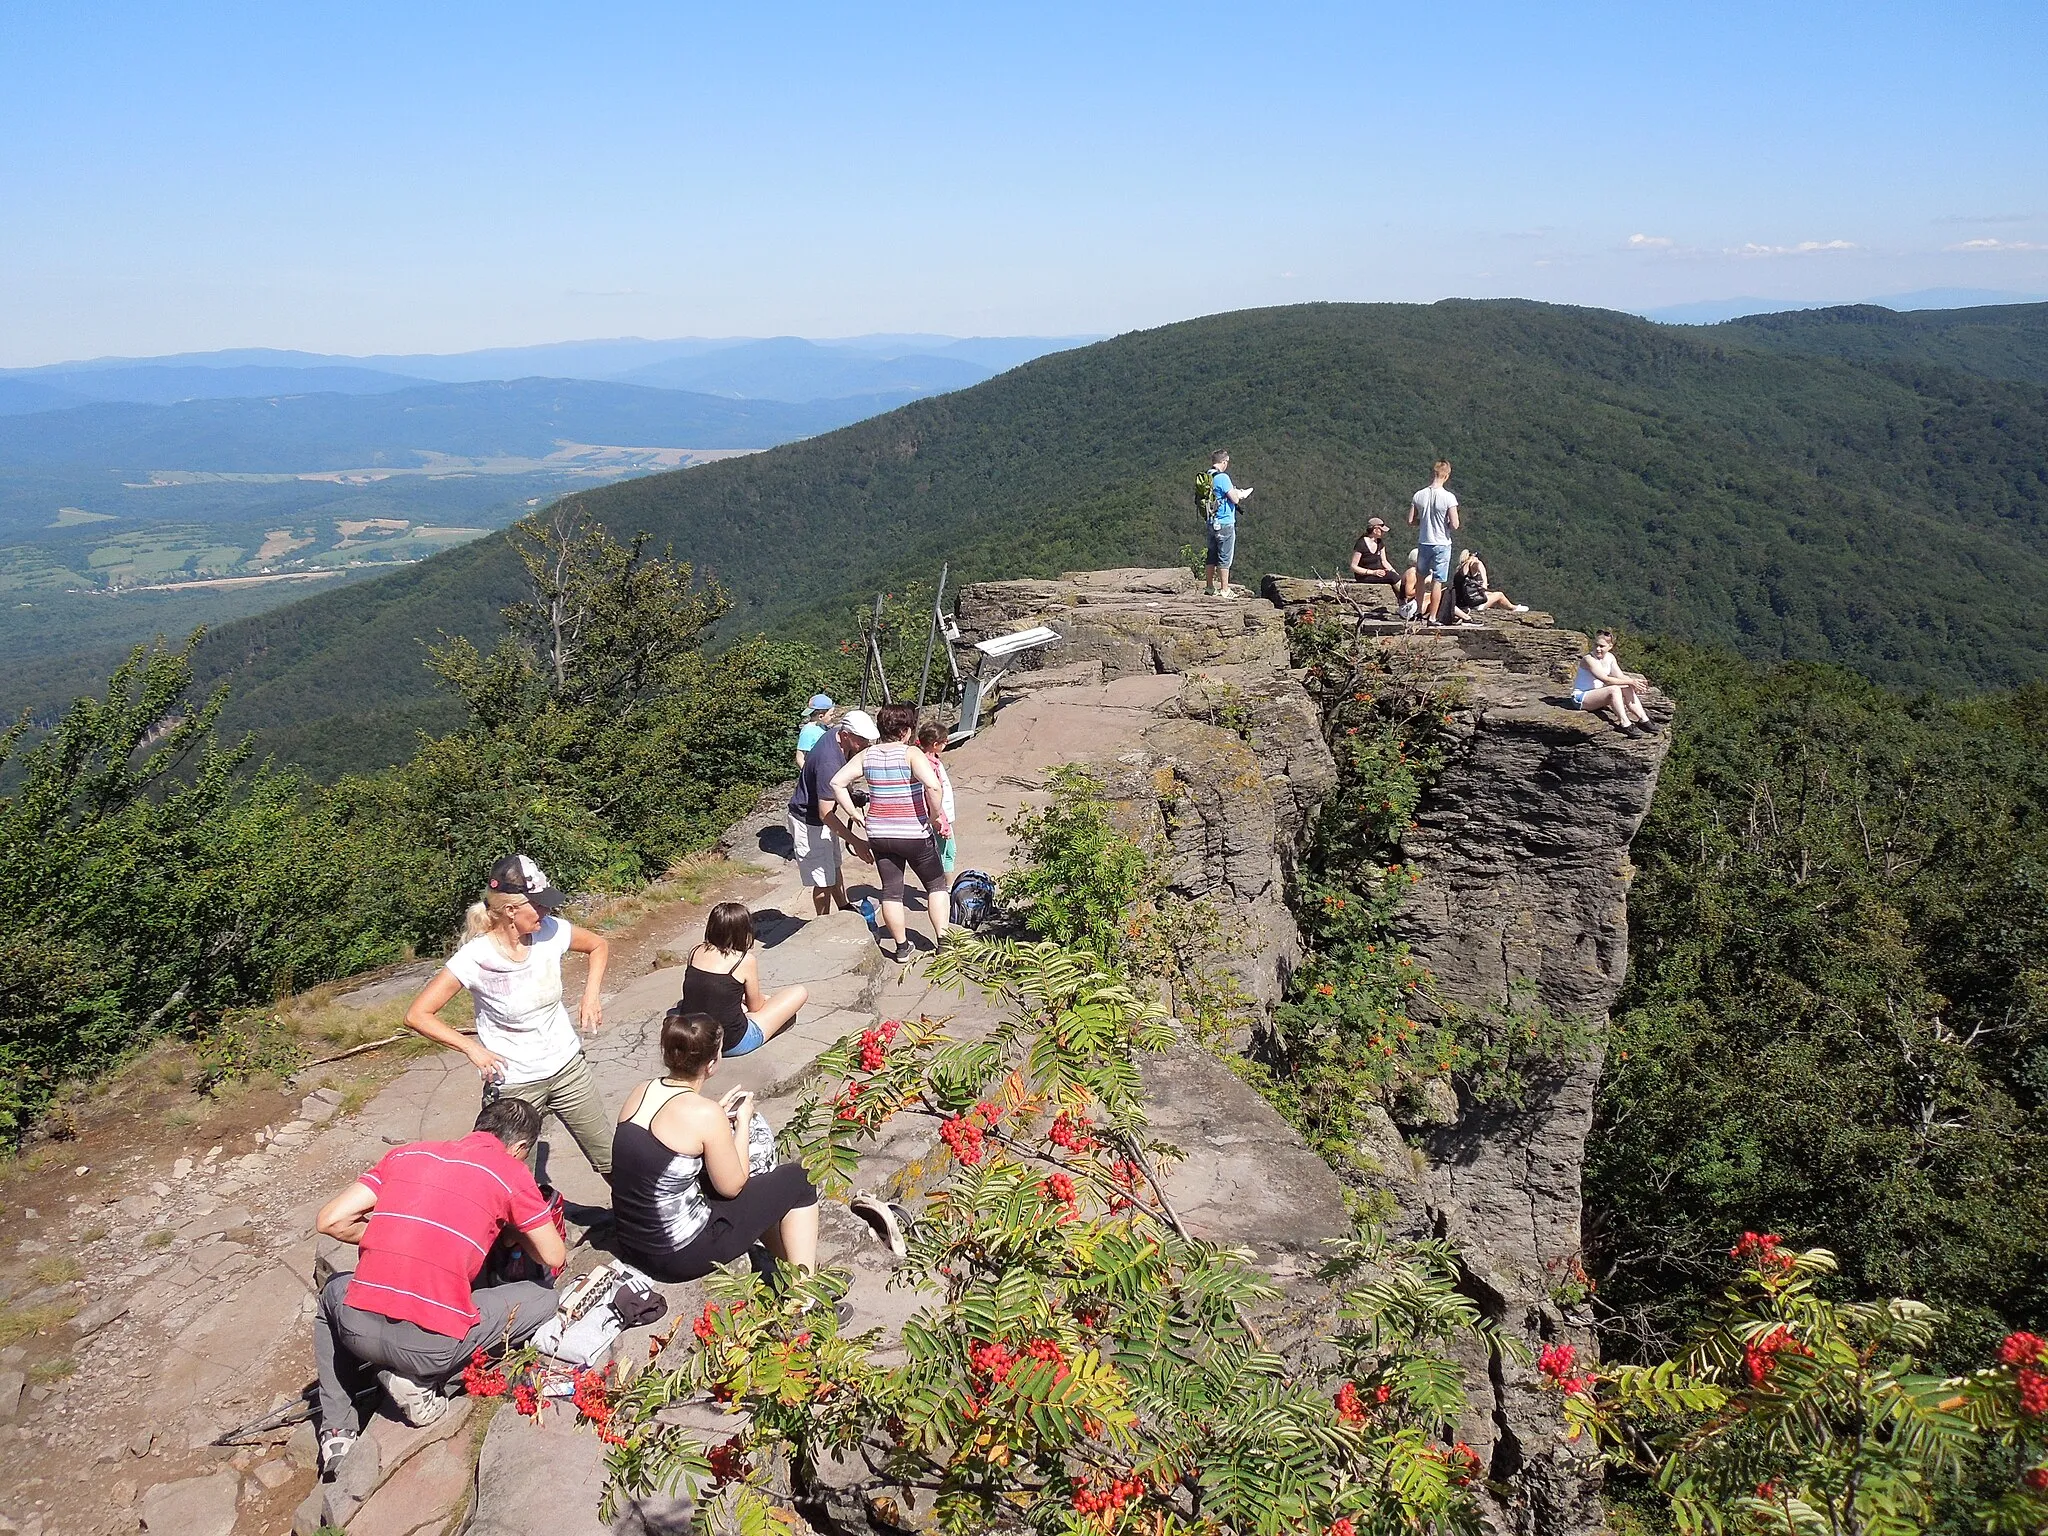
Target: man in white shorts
(816,827)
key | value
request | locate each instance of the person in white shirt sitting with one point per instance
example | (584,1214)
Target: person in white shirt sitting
(1601,686)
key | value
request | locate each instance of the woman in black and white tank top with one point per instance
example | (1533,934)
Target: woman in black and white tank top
(694,1180)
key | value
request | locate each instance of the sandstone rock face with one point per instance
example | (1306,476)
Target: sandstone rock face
(1229,776)
(1523,841)
(1132,621)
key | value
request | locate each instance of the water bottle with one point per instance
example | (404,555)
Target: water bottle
(867,909)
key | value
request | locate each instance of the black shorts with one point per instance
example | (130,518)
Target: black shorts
(735,1226)
(892,854)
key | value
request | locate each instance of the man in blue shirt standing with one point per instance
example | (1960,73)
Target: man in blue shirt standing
(1433,514)
(1223,503)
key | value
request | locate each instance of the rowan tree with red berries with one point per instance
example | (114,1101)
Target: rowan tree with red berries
(1080,1363)
(1798,1414)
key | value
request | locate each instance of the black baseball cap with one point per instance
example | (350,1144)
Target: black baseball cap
(517,875)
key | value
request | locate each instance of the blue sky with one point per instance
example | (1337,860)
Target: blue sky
(372,177)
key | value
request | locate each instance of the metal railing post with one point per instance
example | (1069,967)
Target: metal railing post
(931,633)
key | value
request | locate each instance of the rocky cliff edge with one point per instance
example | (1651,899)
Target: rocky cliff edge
(1523,844)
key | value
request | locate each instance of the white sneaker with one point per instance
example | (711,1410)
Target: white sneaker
(1229,592)
(417,1404)
(335,1445)
(1519,608)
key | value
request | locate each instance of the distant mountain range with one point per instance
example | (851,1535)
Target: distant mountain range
(785,368)
(1852,485)
(1713,311)
(406,428)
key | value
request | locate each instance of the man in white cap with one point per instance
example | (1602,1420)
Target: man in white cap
(817,827)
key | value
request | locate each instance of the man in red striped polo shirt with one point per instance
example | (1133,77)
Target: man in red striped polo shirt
(426,1218)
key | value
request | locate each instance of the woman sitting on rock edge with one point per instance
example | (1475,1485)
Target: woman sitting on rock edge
(723,979)
(1602,686)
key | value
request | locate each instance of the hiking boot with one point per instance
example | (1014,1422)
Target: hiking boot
(335,1445)
(418,1404)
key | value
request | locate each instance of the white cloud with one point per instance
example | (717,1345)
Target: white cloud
(2000,245)
(1649,242)
(1803,248)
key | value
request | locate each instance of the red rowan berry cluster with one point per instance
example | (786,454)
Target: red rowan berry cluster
(591,1395)
(1107,1500)
(1464,1463)
(1060,1188)
(2022,1349)
(875,1043)
(1342,1526)
(1048,1352)
(2030,1353)
(480,1380)
(846,1105)
(1350,1407)
(1071,1134)
(1761,1353)
(526,1399)
(964,1133)
(1559,1362)
(706,1326)
(2036,1478)
(992,1360)
(1762,1250)
(964,1137)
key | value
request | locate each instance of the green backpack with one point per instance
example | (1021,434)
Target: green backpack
(1205,495)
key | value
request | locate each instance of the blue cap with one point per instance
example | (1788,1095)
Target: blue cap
(818,701)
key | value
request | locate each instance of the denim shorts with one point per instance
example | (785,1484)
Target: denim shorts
(1222,543)
(752,1040)
(1434,561)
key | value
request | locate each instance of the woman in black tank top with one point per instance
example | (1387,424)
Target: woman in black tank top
(723,981)
(692,1190)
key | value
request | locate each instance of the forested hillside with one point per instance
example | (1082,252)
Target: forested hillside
(1998,341)
(1835,1025)
(1612,470)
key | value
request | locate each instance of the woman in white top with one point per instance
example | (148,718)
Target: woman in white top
(525,1045)
(1601,685)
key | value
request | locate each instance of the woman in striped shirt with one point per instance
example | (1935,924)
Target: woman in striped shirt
(904,816)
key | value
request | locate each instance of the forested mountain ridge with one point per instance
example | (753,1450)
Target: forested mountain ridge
(1611,470)
(1996,341)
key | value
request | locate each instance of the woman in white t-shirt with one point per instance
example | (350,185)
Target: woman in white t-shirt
(525,1045)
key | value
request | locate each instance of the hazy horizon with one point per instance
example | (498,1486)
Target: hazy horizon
(395,179)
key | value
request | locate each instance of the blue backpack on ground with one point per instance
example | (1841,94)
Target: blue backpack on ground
(974,898)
